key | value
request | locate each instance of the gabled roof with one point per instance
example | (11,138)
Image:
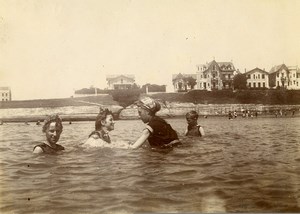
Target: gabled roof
(4,88)
(226,65)
(180,76)
(256,70)
(220,64)
(115,76)
(277,68)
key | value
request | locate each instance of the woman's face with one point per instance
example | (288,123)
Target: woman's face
(144,115)
(109,123)
(53,133)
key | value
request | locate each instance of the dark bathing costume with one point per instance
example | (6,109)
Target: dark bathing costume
(162,133)
(49,150)
(194,131)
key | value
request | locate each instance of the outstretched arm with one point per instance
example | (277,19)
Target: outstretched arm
(142,139)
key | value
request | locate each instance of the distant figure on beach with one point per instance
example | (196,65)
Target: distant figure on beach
(230,116)
(103,125)
(256,114)
(52,128)
(158,132)
(1,122)
(70,122)
(26,123)
(293,112)
(38,123)
(235,114)
(193,129)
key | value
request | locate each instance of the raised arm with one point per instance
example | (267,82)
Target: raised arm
(142,139)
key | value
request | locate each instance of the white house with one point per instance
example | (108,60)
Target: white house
(121,81)
(279,76)
(294,77)
(5,94)
(257,78)
(215,75)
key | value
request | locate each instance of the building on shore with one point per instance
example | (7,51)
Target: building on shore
(184,82)
(257,78)
(215,75)
(279,76)
(121,81)
(5,94)
(294,77)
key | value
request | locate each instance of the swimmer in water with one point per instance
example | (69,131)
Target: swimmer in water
(193,129)
(103,125)
(52,128)
(158,132)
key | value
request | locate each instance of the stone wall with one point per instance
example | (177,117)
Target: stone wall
(173,109)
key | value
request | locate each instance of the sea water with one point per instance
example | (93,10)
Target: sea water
(241,165)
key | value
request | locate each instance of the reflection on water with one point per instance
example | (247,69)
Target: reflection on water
(243,165)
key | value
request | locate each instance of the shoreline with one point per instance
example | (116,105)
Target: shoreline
(86,118)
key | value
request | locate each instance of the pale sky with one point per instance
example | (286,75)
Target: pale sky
(48,48)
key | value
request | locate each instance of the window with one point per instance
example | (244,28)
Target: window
(214,67)
(248,76)
(204,75)
(228,76)
(253,76)
(264,85)
(121,81)
(262,76)
(254,85)
(259,84)
(214,75)
(258,76)
(277,75)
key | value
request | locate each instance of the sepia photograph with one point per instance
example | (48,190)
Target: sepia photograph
(148,106)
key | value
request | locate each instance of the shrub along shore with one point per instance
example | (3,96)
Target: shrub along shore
(217,103)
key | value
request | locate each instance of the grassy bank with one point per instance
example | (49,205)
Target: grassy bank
(266,97)
(43,103)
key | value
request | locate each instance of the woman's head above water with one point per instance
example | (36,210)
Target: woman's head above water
(53,128)
(104,120)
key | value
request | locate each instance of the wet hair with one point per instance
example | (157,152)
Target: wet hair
(192,115)
(100,117)
(52,118)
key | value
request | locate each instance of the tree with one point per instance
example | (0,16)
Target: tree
(240,81)
(190,81)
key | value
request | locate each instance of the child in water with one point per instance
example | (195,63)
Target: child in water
(103,125)
(158,132)
(52,128)
(193,129)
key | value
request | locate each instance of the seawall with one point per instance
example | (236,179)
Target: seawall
(173,109)
(169,109)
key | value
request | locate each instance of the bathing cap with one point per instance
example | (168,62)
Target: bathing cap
(149,104)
